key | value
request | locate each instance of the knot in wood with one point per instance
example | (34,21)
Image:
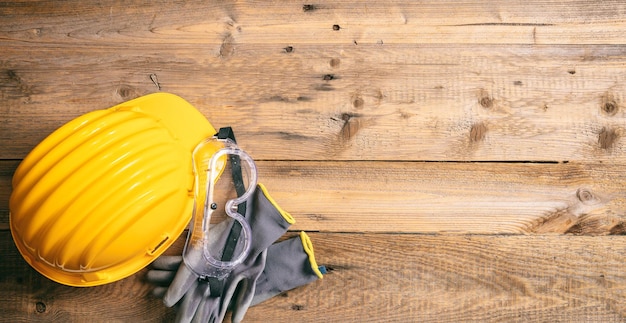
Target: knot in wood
(486,102)
(607,138)
(40,307)
(126,92)
(478,132)
(358,102)
(585,196)
(610,108)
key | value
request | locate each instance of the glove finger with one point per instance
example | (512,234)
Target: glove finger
(183,281)
(158,292)
(190,302)
(160,277)
(242,293)
(167,263)
(208,310)
(244,299)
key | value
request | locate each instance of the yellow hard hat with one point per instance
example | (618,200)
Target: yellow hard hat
(108,192)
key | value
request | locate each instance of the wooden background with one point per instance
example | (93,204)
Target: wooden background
(452,161)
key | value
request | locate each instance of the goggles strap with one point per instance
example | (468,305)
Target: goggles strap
(216,285)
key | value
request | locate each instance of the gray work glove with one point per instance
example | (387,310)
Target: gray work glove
(203,301)
(289,264)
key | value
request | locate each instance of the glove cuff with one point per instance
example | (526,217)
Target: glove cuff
(307,245)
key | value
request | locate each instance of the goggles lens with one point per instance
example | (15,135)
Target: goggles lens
(219,237)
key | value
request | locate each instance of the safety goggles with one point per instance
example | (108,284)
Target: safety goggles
(219,237)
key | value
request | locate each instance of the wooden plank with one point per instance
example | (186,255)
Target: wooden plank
(28,296)
(327,102)
(340,102)
(471,22)
(379,277)
(399,80)
(486,198)
(7,168)
(450,197)
(402,278)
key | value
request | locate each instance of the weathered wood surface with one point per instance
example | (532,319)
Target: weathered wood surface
(439,84)
(409,197)
(380,278)
(462,161)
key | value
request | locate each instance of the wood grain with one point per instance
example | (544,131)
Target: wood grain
(375,89)
(471,22)
(489,198)
(485,198)
(453,161)
(27,296)
(423,278)
(415,103)
(380,278)
(6,173)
